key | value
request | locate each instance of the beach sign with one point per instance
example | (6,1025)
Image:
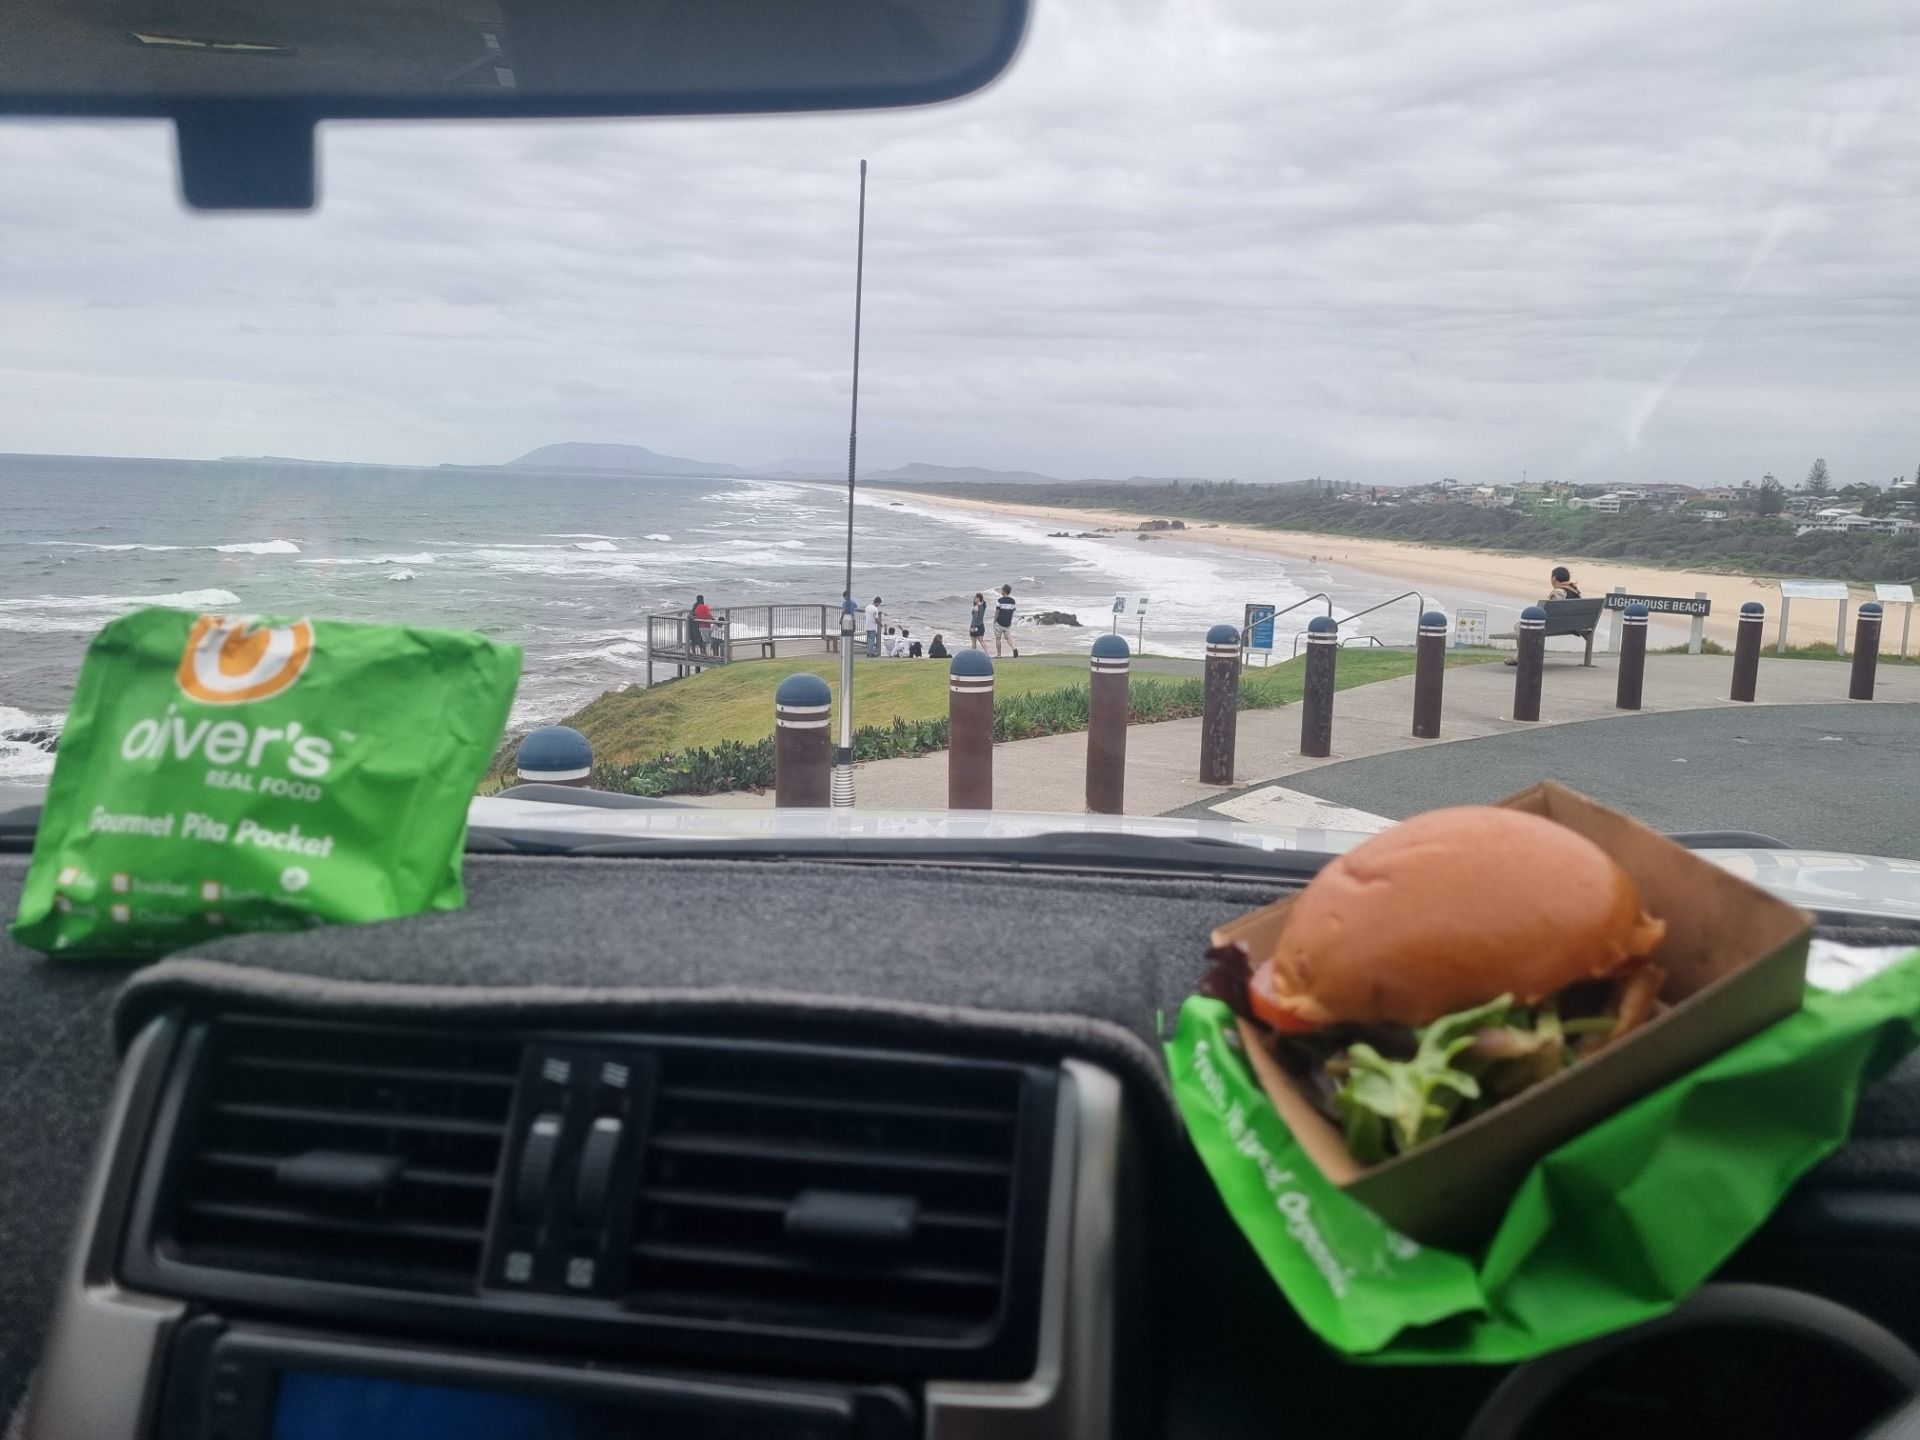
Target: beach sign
(1792,590)
(1898,595)
(1470,628)
(1258,627)
(1119,604)
(1661,604)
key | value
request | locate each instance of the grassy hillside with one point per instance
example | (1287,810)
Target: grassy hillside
(735,702)
(734,705)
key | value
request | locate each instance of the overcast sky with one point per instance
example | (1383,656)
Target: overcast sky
(1675,240)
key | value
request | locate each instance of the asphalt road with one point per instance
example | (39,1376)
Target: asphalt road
(1842,777)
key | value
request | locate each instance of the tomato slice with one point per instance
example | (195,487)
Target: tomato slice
(1267,1006)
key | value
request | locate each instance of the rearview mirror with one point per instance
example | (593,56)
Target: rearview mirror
(245,81)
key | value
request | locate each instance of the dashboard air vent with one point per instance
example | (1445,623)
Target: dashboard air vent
(342,1153)
(855,1194)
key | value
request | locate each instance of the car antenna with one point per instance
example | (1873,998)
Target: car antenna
(843,754)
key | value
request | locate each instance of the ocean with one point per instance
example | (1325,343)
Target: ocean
(566,565)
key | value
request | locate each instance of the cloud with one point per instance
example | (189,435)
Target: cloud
(1606,241)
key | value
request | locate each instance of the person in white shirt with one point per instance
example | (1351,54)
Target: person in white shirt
(873,627)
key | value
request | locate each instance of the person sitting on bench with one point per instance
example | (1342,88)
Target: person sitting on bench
(1563,589)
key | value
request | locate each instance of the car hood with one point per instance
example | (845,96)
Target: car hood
(1881,887)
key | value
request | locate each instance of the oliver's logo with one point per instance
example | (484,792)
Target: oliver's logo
(230,661)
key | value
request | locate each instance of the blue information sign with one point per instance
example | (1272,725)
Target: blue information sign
(1259,627)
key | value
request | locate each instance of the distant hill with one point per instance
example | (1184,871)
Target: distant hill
(629,459)
(800,467)
(922,473)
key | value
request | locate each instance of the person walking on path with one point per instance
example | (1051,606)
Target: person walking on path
(1003,623)
(700,630)
(873,627)
(977,625)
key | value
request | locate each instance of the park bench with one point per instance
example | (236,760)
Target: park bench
(1571,617)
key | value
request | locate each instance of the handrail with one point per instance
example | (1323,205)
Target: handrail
(1245,635)
(1404,595)
(1373,640)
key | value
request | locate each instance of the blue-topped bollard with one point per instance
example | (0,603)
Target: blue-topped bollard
(1316,704)
(1530,644)
(1221,708)
(1746,650)
(1633,658)
(1866,652)
(802,748)
(970,731)
(554,755)
(1429,674)
(1109,663)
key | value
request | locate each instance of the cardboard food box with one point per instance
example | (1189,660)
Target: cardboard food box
(1736,961)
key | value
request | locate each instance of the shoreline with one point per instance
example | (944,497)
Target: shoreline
(1521,578)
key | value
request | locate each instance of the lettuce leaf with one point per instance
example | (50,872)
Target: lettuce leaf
(1388,1106)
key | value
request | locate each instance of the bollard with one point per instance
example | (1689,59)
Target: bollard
(1633,659)
(1530,641)
(554,755)
(1316,705)
(1107,726)
(970,731)
(802,743)
(1866,652)
(1746,649)
(1429,673)
(1222,706)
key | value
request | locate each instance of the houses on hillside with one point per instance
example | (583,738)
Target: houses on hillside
(1709,505)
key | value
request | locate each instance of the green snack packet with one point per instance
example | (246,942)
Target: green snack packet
(221,773)
(1615,1227)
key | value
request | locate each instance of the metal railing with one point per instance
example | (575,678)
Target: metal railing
(736,632)
(1414,595)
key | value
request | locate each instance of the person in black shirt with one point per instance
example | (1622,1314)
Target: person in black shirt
(938,649)
(1003,623)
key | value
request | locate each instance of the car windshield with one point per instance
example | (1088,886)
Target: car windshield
(1219,347)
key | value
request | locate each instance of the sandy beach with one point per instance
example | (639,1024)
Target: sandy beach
(1521,578)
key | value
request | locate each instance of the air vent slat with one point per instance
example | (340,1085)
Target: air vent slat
(749,1148)
(738,1136)
(747,1099)
(361,1120)
(338,1224)
(798,1264)
(409,1174)
(424,1112)
(768,1205)
(400,1073)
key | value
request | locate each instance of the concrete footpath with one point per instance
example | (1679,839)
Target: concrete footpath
(1163,760)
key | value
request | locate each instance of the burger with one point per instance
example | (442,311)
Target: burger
(1444,966)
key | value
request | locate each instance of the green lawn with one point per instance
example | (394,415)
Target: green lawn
(735,702)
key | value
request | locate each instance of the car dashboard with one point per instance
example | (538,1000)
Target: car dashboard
(697,1147)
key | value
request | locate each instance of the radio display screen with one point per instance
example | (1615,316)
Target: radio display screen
(318,1405)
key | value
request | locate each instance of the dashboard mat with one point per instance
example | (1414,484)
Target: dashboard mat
(1058,962)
